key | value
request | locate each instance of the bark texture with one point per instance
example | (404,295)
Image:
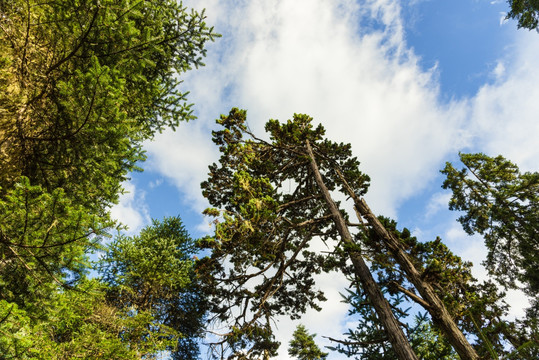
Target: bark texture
(429,299)
(396,336)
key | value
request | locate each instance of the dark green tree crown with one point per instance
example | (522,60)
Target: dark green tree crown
(268,212)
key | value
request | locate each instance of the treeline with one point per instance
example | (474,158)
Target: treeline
(84,83)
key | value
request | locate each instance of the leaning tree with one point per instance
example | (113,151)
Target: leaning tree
(274,201)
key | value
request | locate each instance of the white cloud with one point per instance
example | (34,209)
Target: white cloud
(183,156)
(314,57)
(131,209)
(155,183)
(455,234)
(438,201)
(499,70)
(504,114)
(503,18)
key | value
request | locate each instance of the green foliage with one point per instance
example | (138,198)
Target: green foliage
(150,302)
(437,265)
(525,337)
(84,83)
(87,82)
(44,238)
(14,329)
(477,308)
(526,12)
(152,266)
(81,324)
(154,273)
(303,347)
(501,204)
(369,339)
(428,342)
(269,209)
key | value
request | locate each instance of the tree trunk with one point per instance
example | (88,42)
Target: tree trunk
(434,305)
(396,336)
(436,308)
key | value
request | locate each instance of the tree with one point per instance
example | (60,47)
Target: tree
(82,324)
(428,342)
(274,199)
(267,233)
(43,236)
(414,272)
(526,12)
(153,273)
(501,204)
(148,302)
(303,347)
(477,308)
(368,340)
(84,84)
(87,82)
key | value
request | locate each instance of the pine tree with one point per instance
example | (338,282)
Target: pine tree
(501,204)
(84,83)
(266,229)
(303,347)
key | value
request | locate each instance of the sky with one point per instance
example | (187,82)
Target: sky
(409,84)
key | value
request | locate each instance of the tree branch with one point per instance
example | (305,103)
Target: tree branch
(78,46)
(358,343)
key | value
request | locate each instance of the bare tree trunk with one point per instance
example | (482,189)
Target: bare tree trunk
(436,308)
(434,305)
(396,336)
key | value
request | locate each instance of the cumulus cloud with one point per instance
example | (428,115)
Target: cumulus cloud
(183,157)
(131,210)
(329,59)
(438,201)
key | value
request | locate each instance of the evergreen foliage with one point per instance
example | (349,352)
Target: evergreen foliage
(369,341)
(303,347)
(81,324)
(272,209)
(526,12)
(478,308)
(260,257)
(84,83)
(154,273)
(273,203)
(501,204)
(87,82)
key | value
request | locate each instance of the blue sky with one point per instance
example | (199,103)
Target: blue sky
(409,84)
(462,37)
